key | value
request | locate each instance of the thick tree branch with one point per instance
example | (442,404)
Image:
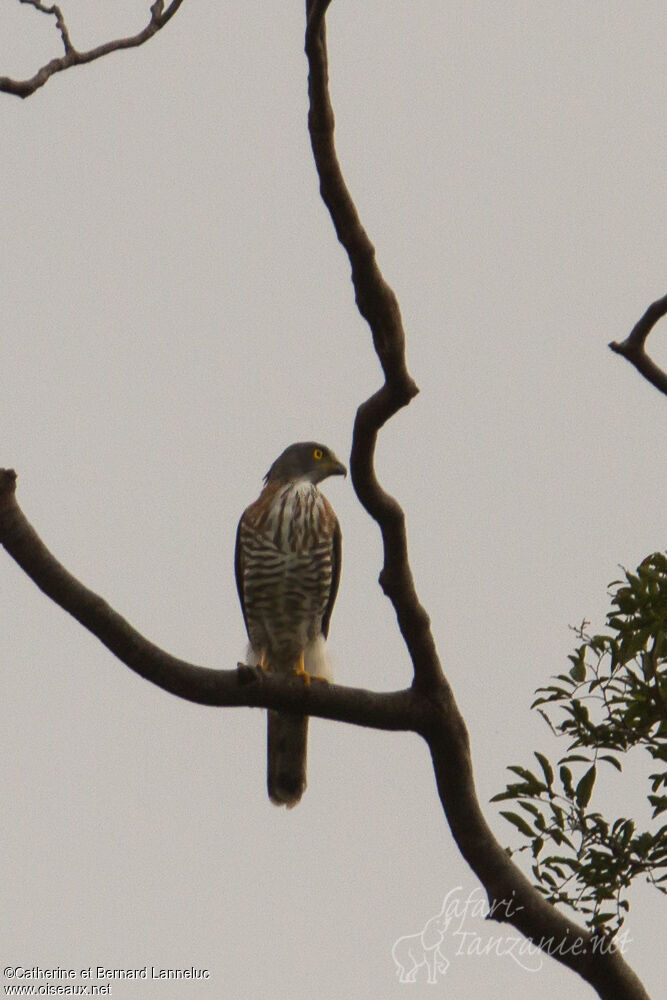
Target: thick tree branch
(428,707)
(511,896)
(72,57)
(245,686)
(633,347)
(443,725)
(377,303)
(432,715)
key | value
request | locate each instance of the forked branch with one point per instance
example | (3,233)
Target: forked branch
(443,726)
(244,686)
(432,716)
(378,305)
(633,348)
(72,56)
(428,707)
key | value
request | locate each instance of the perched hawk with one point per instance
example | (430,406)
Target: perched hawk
(288,552)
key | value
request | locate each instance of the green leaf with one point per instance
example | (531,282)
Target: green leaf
(560,838)
(612,760)
(566,778)
(602,918)
(519,822)
(546,768)
(578,671)
(558,871)
(659,802)
(579,711)
(627,831)
(525,774)
(585,787)
(501,796)
(558,815)
(531,785)
(544,715)
(643,844)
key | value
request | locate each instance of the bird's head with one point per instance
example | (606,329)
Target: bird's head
(305,460)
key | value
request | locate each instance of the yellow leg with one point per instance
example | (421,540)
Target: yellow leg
(300,670)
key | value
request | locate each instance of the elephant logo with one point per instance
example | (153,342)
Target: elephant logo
(412,951)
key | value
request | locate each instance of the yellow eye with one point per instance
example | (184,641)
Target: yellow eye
(318,454)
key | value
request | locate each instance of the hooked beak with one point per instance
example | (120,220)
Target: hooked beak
(337,468)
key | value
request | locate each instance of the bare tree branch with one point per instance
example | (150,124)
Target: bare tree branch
(245,686)
(72,57)
(633,347)
(432,715)
(428,707)
(445,729)
(377,303)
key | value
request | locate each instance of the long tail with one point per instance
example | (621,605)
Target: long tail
(287,746)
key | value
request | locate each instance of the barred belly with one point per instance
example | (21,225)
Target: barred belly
(287,555)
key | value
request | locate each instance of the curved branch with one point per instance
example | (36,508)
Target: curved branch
(433,717)
(72,57)
(245,686)
(512,897)
(633,347)
(378,305)
(428,708)
(443,725)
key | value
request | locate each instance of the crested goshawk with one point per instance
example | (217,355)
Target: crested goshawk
(288,558)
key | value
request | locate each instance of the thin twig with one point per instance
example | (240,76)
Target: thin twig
(54,10)
(72,57)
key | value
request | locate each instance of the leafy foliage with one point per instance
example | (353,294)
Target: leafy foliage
(612,700)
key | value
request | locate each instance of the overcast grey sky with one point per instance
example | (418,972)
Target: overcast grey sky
(176,310)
